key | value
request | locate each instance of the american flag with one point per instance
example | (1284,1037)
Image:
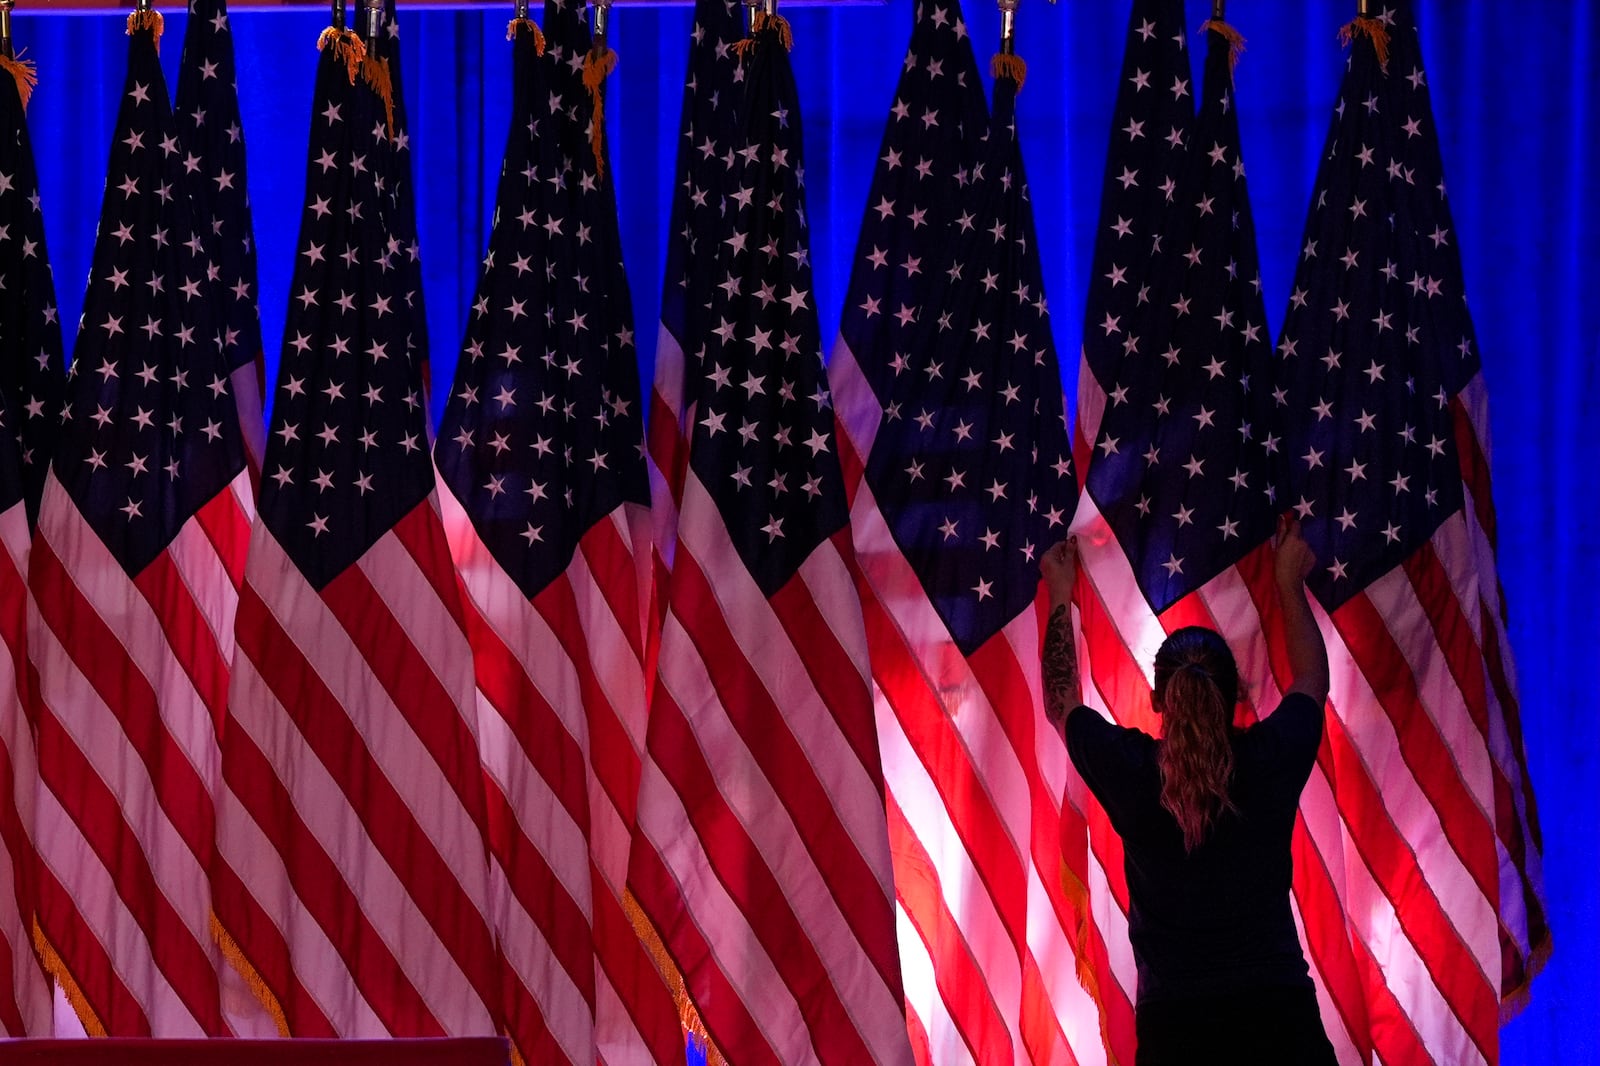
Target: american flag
(1184,478)
(352,880)
(399,147)
(541,452)
(32,379)
(207,109)
(31,388)
(949,398)
(134,572)
(762,857)
(1388,470)
(709,126)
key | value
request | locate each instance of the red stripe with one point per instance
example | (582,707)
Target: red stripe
(327,730)
(635,979)
(1394,868)
(542,894)
(835,674)
(247,924)
(421,533)
(421,698)
(316,882)
(188,634)
(98,654)
(738,862)
(86,960)
(173,949)
(1474,464)
(611,565)
(542,736)
(667,447)
(962,986)
(755,714)
(223,522)
(1424,751)
(558,918)
(727,1017)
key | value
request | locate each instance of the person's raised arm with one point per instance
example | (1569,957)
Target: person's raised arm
(1058,572)
(1308,658)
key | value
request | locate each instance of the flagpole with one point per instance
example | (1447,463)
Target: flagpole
(371,22)
(337,16)
(5,29)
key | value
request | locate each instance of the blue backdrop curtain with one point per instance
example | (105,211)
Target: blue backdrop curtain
(1516,90)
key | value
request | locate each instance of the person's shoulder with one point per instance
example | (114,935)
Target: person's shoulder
(1295,723)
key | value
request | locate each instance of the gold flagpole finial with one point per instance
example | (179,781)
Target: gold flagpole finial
(521,21)
(5,29)
(1006,63)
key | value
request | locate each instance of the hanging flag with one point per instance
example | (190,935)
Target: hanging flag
(134,570)
(954,445)
(546,510)
(212,134)
(352,874)
(32,379)
(708,130)
(1184,484)
(1387,449)
(761,855)
(31,388)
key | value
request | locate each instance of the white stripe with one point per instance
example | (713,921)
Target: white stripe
(773,657)
(923,1001)
(104,585)
(321,803)
(537,809)
(765,816)
(395,748)
(317,964)
(987,748)
(961,889)
(1374,920)
(533,960)
(95,899)
(665,825)
(92,727)
(856,408)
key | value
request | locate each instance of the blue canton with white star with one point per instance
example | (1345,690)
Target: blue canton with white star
(150,431)
(1377,341)
(542,434)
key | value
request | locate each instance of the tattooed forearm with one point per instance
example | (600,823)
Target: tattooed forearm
(1060,663)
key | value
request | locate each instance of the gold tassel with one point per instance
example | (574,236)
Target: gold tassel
(1234,38)
(147,20)
(26,75)
(375,72)
(1009,65)
(56,967)
(687,1015)
(1373,28)
(252,979)
(347,48)
(596,65)
(532,27)
(762,21)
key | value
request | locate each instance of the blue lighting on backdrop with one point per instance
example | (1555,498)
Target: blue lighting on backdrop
(1516,88)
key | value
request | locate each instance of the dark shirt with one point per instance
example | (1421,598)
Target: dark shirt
(1216,920)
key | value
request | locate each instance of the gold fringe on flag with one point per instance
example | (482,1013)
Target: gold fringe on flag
(600,61)
(1234,38)
(375,72)
(252,979)
(56,967)
(516,25)
(147,20)
(1077,895)
(26,75)
(1009,65)
(1372,28)
(347,48)
(687,1015)
(762,21)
